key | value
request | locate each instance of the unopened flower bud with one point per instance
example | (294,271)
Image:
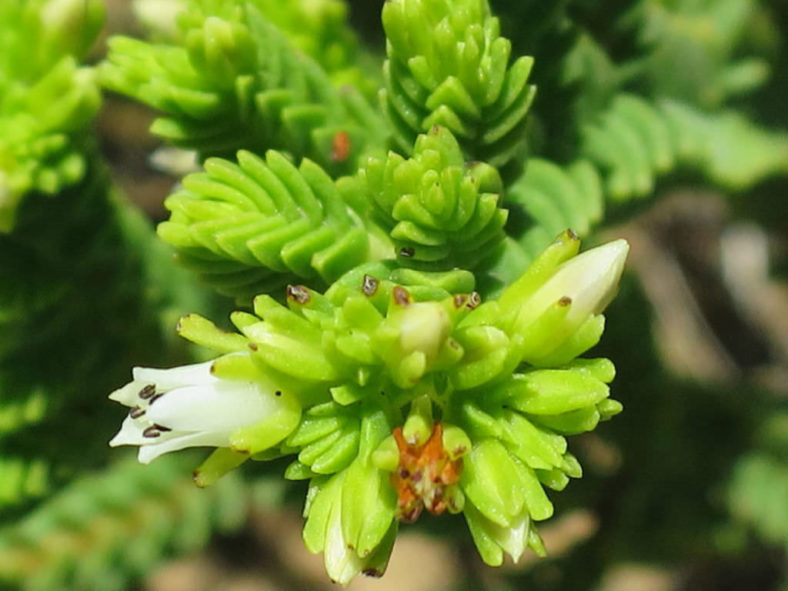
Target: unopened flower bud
(565,306)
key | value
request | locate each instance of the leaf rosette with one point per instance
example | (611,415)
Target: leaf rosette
(448,65)
(439,210)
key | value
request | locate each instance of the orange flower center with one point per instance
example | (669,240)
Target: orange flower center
(423,474)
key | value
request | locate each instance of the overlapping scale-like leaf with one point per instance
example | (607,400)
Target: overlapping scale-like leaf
(327,440)
(251,227)
(55,28)
(50,291)
(46,98)
(554,198)
(520,449)
(43,141)
(236,82)
(624,150)
(634,141)
(448,65)
(439,210)
(107,529)
(703,52)
(318,28)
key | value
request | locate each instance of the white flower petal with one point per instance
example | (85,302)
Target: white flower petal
(151,451)
(512,539)
(224,406)
(590,280)
(168,379)
(128,395)
(342,563)
(130,433)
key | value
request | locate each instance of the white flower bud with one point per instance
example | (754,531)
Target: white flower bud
(589,281)
(512,539)
(560,320)
(341,560)
(424,328)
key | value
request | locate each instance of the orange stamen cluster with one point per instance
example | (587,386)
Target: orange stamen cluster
(423,474)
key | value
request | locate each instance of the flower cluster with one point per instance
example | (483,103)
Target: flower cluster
(396,392)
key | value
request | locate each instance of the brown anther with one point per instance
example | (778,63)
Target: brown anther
(162,428)
(407,252)
(151,432)
(298,293)
(565,301)
(147,391)
(155,398)
(459,300)
(136,412)
(369,285)
(253,346)
(572,234)
(474,299)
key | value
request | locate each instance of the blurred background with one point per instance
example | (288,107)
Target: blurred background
(686,490)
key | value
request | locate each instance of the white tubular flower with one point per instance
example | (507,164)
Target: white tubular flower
(188,406)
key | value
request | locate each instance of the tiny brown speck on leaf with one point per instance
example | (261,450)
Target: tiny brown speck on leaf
(401,296)
(298,294)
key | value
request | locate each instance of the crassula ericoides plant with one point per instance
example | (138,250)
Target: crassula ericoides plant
(396,392)
(353,238)
(414,319)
